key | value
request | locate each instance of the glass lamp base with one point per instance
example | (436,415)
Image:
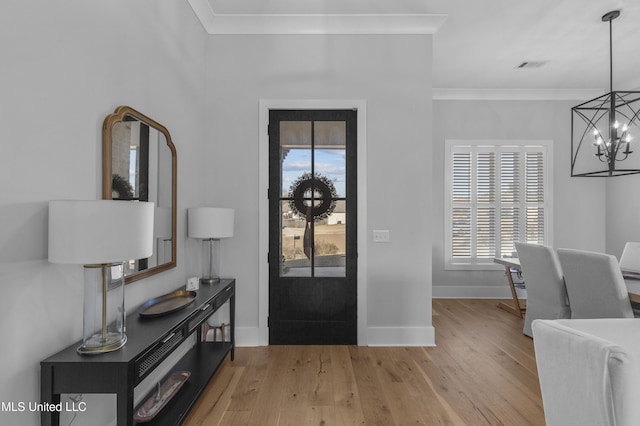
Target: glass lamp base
(211,264)
(97,345)
(104,315)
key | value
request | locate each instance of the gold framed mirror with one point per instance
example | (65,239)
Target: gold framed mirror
(139,163)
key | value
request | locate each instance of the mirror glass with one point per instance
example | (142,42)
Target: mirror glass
(139,164)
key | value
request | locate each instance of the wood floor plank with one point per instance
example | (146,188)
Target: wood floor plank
(306,382)
(234,418)
(346,396)
(269,398)
(375,406)
(482,372)
(213,403)
(255,367)
(480,349)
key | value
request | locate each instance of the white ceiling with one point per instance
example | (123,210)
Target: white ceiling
(477,45)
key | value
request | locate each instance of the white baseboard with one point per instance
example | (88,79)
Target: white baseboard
(471,292)
(376,336)
(247,336)
(401,336)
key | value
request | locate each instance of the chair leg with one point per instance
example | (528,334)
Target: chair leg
(205,330)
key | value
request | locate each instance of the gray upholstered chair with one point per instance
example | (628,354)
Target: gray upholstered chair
(546,292)
(595,285)
(630,267)
(588,371)
(630,259)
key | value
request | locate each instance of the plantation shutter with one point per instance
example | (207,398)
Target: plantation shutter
(534,193)
(485,216)
(496,196)
(461,212)
(509,202)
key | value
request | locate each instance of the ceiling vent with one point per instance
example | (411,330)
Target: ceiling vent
(532,64)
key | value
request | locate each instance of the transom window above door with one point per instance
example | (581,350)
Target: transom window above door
(496,193)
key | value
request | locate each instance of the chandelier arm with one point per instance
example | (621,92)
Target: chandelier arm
(625,102)
(626,152)
(593,100)
(590,121)
(635,116)
(593,120)
(584,118)
(625,156)
(596,109)
(615,148)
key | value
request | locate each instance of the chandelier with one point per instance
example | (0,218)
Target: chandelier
(602,129)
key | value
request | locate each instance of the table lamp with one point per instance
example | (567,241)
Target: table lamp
(101,235)
(210,224)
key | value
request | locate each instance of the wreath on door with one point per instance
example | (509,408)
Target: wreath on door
(324,192)
(300,202)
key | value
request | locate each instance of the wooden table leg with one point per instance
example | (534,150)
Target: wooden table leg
(516,310)
(48,418)
(124,403)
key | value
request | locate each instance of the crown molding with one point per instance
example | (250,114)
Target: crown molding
(454,94)
(214,23)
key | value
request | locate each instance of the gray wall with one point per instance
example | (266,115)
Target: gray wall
(623,211)
(65,66)
(579,203)
(393,75)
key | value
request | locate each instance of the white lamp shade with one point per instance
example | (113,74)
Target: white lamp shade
(210,222)
(99,231)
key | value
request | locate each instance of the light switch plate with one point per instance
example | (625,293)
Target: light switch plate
(380,236)
(193,283)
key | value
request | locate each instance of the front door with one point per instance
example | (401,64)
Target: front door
(312,227)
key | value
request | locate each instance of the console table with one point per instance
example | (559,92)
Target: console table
(149,342)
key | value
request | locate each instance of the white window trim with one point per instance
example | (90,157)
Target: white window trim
(450,144)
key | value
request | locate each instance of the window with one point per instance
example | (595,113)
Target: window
(496,193)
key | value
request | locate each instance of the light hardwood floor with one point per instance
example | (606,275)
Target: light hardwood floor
(482,372)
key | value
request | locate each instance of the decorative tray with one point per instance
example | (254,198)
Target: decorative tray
(158,399)
(166,304)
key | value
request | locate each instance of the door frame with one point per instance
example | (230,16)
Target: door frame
(263,204)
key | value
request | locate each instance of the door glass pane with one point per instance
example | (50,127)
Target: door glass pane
(330,157)
(313,237)
(330,243)
(294,262)
(295,152)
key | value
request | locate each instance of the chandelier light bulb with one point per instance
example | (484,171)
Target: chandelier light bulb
(624,127)
(595,132)
(627,139)
(616,124)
